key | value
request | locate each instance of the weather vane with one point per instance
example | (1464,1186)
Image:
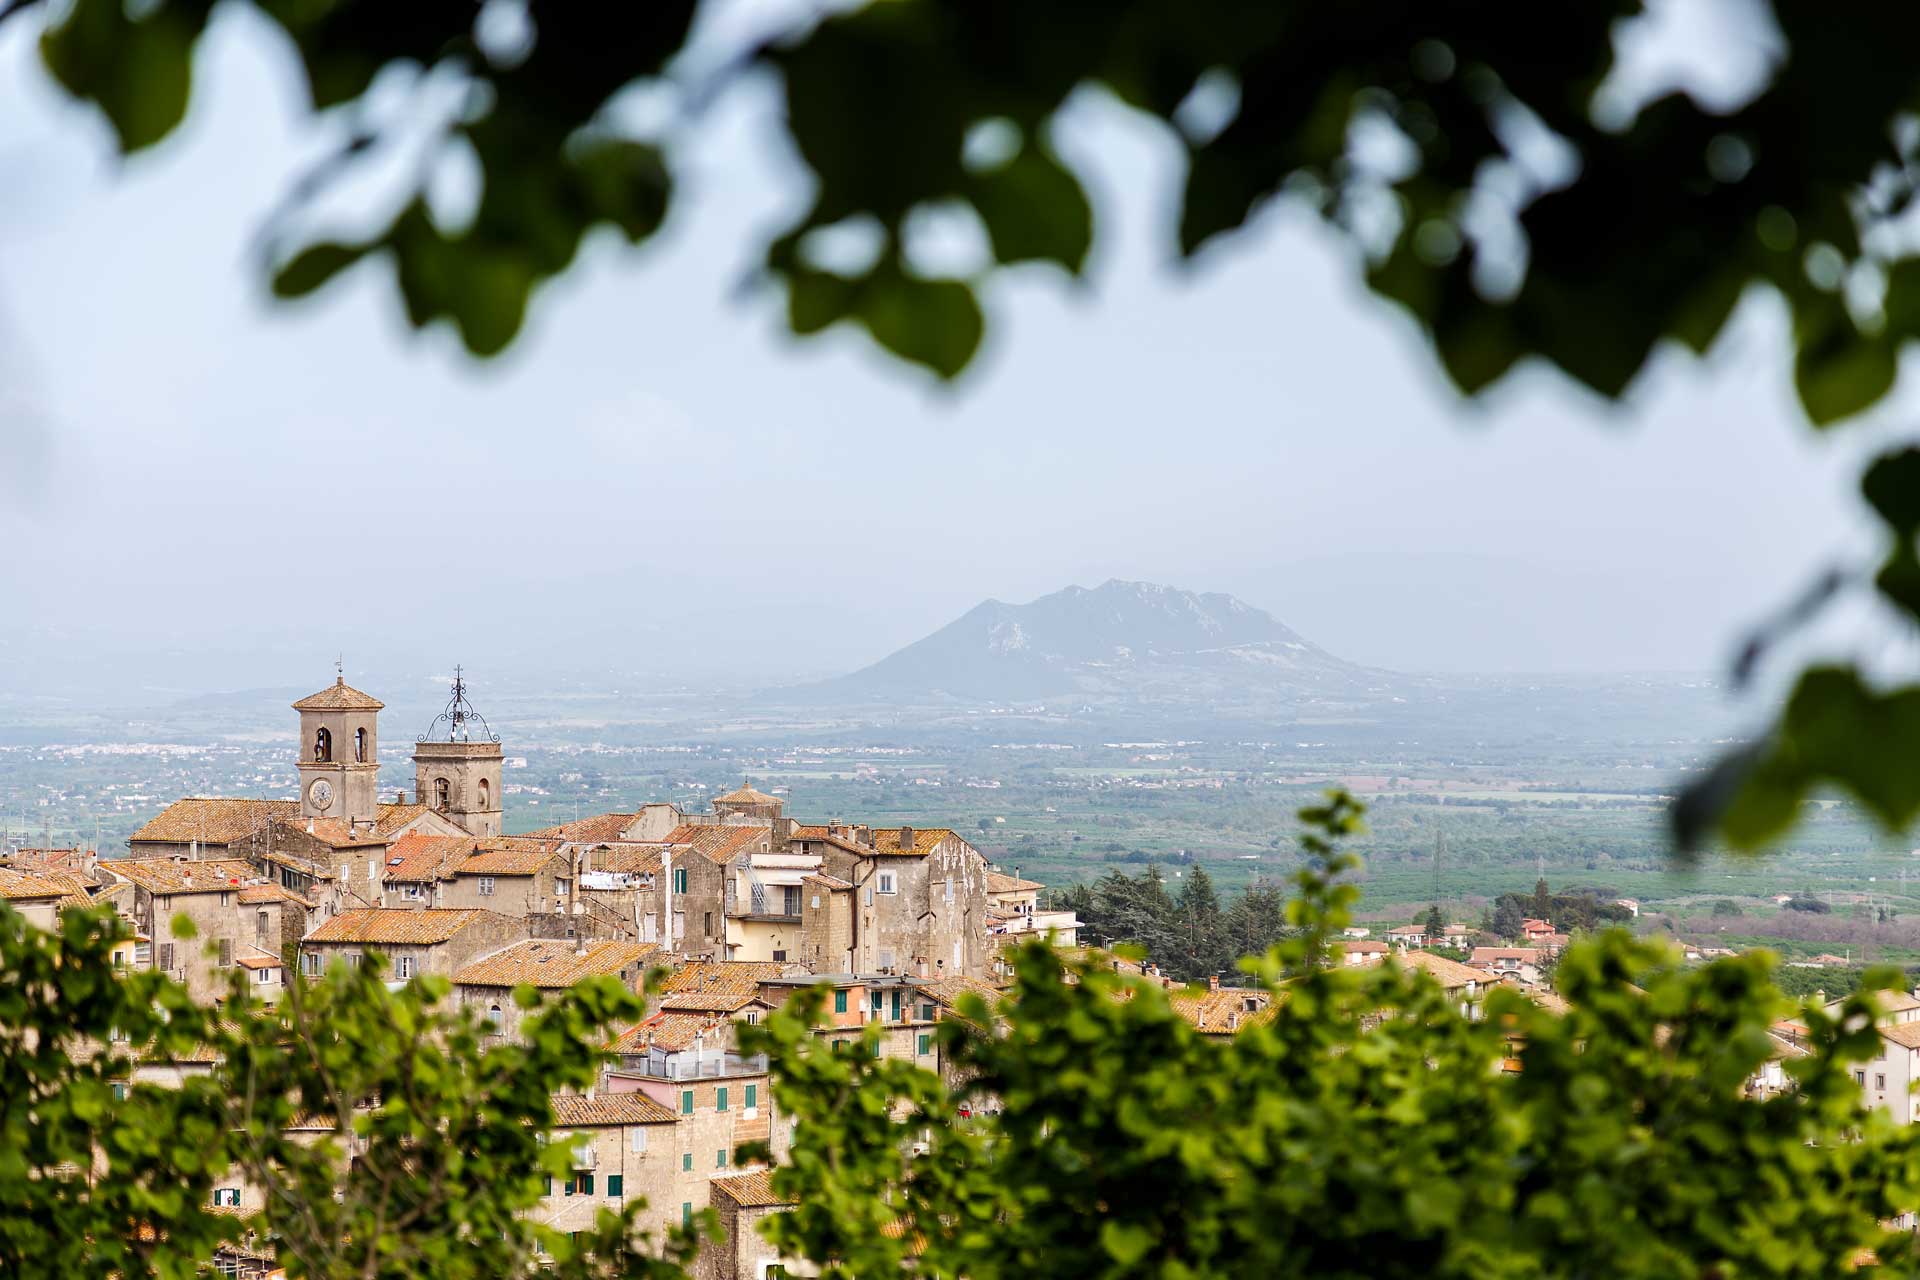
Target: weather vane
(459,715)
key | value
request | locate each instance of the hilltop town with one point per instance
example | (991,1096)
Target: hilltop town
(740,906)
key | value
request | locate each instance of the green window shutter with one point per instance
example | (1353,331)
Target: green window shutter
(926,1044)
(874,999)
(686,1102)
(895,1008)
(720,1098)
(549,1184)
(840,1001)
(720,1159)
(876,1048)
(686,1213)
(686,1162)
(926,1013)
(616,1183)
(586,1184)
(753,1096)
(569,1187)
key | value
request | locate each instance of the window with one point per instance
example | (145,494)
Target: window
(264,976)
(706,924)
(260,927)
(227,1196)
(323,746)
(686,1161)
(926,1012)
(616,1184)
(360,745)
(1879,1081)
(226,897)
(887,883)
(894,1006)
(486,886)
(166,956)
(686,1210)
(779,955)
(311,963)
(496,1019)
(792,904)
(566,1188)
(403,967)
(586,1183)
(926,1044)
(486,794)
(874,998)
(886,959)
(226,953)
(119,959)
(1860,1078)
(119,1091)
(679,879)
(720,1159)
(753,1096)
(840,1000)
(686,1102)
(720,1098)
(549,1184)
(636,1140)
(752,1016)
(442,794)
(562,886)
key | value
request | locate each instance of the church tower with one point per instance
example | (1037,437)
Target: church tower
(339,753)
(457,772)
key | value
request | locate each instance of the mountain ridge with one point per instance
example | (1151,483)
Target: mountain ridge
(1120,638)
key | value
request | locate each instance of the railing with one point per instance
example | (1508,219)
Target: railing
(702,1068)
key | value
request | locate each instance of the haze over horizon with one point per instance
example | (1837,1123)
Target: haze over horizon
(654,479)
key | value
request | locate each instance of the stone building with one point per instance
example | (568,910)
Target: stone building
(457,771)
(411,942)
(742,1202)
(237,916)
(920,904)
(339,760)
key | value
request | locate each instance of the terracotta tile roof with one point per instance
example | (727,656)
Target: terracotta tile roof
(523,858)
(810,833)
(998,883)
(1487,955)
(1903,1033)
(397,925)
(595,830)
(673,1031)
(1450,974)
(1364,947)
(1220,1012)
(551,962)
(339,696)
(168,876)
(257,893)
(720,844)
(745,794)
(338,833)
(947,991)
(78,892)
(260,962)
(886,840)
(214,819)
(721,985)
(575,1111)
(422,859)
(825,881)
(18,886)
(629,860)
(1887,1002)
(753,1190)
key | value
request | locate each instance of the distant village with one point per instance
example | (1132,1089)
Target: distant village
(743,905)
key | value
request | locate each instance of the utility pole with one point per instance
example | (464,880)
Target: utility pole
(1439,852)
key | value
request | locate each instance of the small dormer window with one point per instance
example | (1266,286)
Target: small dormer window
(360,746)
(323,745)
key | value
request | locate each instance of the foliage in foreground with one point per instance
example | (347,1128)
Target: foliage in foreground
(1357,1127)
(1358,1130)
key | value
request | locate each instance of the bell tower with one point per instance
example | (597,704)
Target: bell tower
(456,771)
(339,753)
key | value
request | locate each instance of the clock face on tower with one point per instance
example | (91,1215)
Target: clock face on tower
(321,793)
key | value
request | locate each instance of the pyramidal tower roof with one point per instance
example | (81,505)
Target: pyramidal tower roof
(339,696)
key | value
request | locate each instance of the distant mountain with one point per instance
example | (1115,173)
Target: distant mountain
(1126,639)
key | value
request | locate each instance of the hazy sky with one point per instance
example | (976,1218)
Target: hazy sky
(200,483)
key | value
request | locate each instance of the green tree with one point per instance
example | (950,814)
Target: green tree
(1542,907)
(1723,907)
(1255,920)
(1202,927)
(1435,923)
(1119,1142)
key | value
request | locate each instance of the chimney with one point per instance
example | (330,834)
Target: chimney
(906,839)
(1213,982)
(399,797)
